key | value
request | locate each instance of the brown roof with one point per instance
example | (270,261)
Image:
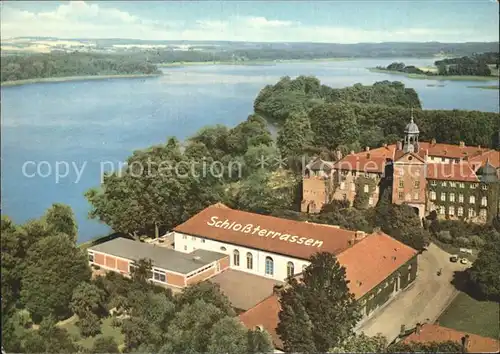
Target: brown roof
(243,289)
(435,333)
(327,237)
(265,314)
(491,156)
(451,151)
(382,255)
(376,252)
(363,161)
(451,172)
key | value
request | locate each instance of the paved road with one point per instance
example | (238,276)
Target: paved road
(422,301)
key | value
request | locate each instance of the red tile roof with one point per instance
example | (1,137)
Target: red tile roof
(491,156)
(435,333)
(451,151)
(377,252)
(363,161)
(451,172)
(382,255)
(264,314)
(267,233)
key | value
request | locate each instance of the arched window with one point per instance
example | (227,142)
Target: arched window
(236,257)
(290,269)
(249,261)
(269,266)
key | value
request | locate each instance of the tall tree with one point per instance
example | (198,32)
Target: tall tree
(324,294)
(296,135)
(362,344)
(61,219)
(228,336)
(484,271)
(103,344)
(207,291)
(54,267)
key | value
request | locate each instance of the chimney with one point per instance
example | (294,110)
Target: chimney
(352,152)
(399,145)
(402,330)
(338,155)
(479,147)
(368,155)
(462,144)
(433,142)
(367,148)
(465,343)
(385,145)
(377,230)
(196,258)
(418,327)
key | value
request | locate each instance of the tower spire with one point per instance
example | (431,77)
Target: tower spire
(411,115)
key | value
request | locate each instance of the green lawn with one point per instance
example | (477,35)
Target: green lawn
(469,315)
(106,330)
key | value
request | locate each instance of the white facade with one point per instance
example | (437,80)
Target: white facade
(280,263)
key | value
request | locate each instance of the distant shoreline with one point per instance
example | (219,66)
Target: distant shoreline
(74,78)
(251,62)
(486,87)
(436,77)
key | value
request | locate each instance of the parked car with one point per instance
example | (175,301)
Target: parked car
(464,261)
(454,258)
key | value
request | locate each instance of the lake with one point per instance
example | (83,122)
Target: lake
(82,125)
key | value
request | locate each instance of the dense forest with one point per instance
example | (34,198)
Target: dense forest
(474,65)
(318,118)
(21,67)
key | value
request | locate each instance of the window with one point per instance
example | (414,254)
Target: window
(433,195)
(416,196)
(433,183)
(417,184)
(452,197)
(249,261)
(484,187)
(401,195)
(453,184)
(443,197)
(472,199)
(159,276)
(353,186)
(460,198)
(290,269)
(91,257)
(473,186)
(441,210)
(443,159)
(461,185)
(443,183)
(370,201)
(366,188)
(342,185)
(401,172)
(223,248)
(460,211)
(483,213)
(193,238)
(451,211)
(131,267)
(269,266)
(401,183)
(185,248)
(484,201)
(203,240)
(184,237)
(353,173)
(236,258)
(472,213)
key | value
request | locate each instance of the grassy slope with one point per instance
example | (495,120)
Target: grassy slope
(469,315)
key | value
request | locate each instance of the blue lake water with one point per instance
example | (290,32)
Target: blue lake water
(88,123)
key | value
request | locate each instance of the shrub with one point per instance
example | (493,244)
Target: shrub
(116,322)
(444,236)
(477,241)
(462,241)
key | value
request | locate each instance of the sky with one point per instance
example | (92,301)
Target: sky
(352,21)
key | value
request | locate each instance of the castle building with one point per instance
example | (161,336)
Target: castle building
(448,181)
